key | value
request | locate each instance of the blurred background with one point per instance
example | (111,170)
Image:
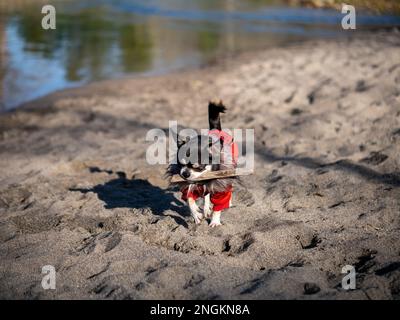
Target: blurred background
(99,39)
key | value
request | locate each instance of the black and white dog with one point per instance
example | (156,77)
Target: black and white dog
(202,153)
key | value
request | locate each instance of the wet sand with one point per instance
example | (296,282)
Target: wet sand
(77,193)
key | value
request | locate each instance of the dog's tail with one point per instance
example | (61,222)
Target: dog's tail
(214,109)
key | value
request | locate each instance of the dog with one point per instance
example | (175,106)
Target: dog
(202,153)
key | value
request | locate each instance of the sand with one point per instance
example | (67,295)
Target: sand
(77,193)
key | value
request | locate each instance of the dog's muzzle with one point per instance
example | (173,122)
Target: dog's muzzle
(185,173)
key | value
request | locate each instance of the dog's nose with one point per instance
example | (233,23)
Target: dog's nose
(185,173)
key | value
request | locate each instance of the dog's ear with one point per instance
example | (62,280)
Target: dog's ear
(179,139)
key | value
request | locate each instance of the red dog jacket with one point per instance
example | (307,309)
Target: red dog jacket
(220,200)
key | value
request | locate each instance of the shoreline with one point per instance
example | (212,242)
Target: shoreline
(235,58)
(76,192)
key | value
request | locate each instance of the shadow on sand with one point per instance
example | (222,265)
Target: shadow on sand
(392,179)
(136,193)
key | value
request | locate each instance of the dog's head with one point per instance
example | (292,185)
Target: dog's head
(196,156)
(200,153)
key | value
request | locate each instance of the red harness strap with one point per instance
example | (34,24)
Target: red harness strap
(229,145)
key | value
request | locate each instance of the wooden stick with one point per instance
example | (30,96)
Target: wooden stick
(209,175)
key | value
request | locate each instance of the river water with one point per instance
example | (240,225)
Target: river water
(98,39)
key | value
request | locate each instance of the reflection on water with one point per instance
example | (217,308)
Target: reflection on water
(98,39)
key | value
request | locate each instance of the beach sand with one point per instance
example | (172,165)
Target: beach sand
(77,193)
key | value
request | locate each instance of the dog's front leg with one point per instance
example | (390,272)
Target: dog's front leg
(195,210)
(216,219)
(207,206)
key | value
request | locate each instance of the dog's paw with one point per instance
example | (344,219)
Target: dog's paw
(216,219)
(197,215)
(195,211)
(214,224)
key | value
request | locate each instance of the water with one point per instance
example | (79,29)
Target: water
(97,39)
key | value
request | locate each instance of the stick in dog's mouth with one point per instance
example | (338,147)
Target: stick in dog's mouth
(209,175)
